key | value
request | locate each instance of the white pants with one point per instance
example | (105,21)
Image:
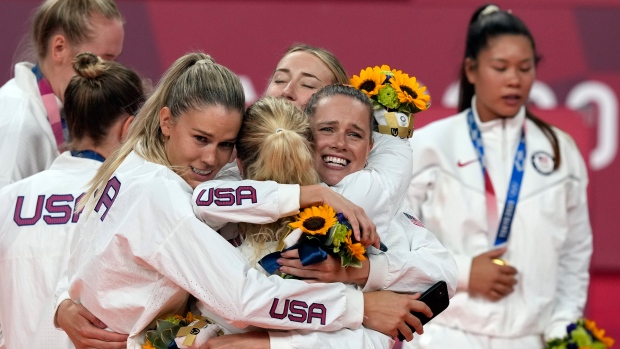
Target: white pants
(440,337)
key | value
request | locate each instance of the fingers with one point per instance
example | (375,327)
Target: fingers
(502,290)
(355,227)
(415,323)
(496,253)
(291,254)
(83,312)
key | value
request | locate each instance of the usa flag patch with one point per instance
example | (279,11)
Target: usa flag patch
(414,220)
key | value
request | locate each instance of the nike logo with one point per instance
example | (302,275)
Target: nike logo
(461,164)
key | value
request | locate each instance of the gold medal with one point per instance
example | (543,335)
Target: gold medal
(499,261)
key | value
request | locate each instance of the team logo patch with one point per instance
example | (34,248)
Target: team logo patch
(543,162)
(414,220)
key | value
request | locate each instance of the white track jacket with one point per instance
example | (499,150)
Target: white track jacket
(27,144)
(37,224)
(142,251)
(415,259)
(551,240)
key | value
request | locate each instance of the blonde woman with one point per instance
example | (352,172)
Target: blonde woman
(142,250)
(340,125)
(30,103)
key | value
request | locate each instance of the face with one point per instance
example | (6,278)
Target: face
(502,76)
(106,42)
(298,76)
(200,141)
(342,137)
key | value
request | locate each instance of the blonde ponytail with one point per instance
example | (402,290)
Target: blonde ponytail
(185,86)
(274,144)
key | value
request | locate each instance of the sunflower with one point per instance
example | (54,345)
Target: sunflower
(356,250)
(598,333)
(147,345)
(369,81)
(410,91)
(315,220)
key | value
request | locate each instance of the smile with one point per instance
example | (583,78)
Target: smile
(201,172)
(336,161)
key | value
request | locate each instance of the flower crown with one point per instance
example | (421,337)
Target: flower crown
(395,97)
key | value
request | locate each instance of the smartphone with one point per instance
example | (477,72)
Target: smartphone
(436,298)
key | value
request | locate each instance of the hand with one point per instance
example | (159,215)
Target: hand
(316,194)
(389,313)
(248,340)
(490,280)
(329,270)
(85,330)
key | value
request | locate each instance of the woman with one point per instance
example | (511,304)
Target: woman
(275,132)
(38,216)
(145,251)
(515,290)
(31,103)
(340,119)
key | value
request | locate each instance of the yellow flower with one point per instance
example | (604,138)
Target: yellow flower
(147,345)
(370,81)
(356,250)
(386,70)
(190,317)
(410,91)
(598,333)
(315,220)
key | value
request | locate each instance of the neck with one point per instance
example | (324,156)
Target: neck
(52,75)
(105,149)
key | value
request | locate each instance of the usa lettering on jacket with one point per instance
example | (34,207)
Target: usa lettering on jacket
(226,196)
(59,209)
(296,311)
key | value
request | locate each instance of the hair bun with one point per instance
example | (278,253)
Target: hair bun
(88,65)
(488,10)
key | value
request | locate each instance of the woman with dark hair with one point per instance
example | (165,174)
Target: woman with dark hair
(494,169)
(38,215)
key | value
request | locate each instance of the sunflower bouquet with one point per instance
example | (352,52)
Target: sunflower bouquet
(582,334)
(395,96)
(317,232)
(179,332)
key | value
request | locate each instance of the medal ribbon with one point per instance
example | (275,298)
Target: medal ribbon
(51,107)
(88,154)
(516,178)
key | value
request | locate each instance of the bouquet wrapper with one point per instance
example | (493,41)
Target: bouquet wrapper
(196,334)
(392,123)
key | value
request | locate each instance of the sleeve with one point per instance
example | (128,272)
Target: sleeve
(573,275)
(345,338)
(224,283)
(414,267)
(380,188)
(219,202)
(422,182)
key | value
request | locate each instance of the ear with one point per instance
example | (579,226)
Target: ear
(125,127)
(470,66)
(60,49)
(165,121)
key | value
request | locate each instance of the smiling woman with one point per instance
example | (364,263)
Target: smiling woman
(341,119)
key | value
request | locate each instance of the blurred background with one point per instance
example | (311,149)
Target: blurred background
(577,88)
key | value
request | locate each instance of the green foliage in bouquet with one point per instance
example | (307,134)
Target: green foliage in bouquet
(582,334)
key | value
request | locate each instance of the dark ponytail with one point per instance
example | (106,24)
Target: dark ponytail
(489,22)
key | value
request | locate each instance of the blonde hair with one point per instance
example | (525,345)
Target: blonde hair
(69,17)
(275,144)
(98,95)
(328,58)
(193,82)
